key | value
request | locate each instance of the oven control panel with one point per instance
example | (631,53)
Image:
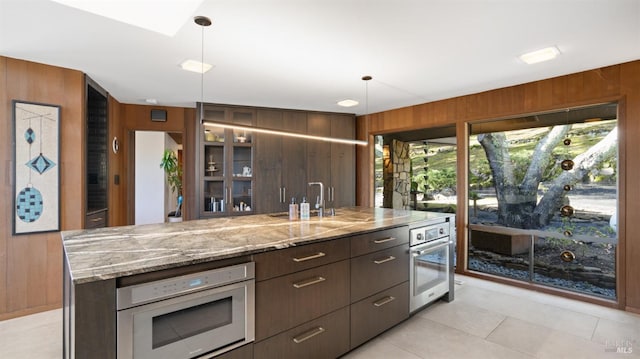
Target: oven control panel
(428,233)
(171,287)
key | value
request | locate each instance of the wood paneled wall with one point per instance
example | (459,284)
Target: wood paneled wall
(31,265)
(613,83)
(133,118)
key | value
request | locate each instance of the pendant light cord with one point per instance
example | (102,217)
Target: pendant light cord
(203,22)
(202,74)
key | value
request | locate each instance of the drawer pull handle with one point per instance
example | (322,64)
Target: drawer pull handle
(384,301)
(96,219)
(388,259)
(378,241)
(308,282)
(308,335)
(313,256)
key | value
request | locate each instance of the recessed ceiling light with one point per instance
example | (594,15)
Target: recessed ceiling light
(165,17)
(195,66)
(152,101)
(348,103)
(541,55)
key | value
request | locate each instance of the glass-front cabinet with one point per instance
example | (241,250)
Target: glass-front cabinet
(226,162)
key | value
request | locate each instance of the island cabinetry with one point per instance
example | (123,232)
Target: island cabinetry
(379,282)
(244,352)
(277,263)
(324,337)
(302,299)
(225,163)
(280,161)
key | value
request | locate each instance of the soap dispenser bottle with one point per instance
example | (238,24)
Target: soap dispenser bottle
(293,209)
(304,208)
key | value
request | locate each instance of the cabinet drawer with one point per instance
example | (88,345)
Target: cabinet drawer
(96,220)
(325,337)
(379,270)
(244,352)
(377,313)
(294,259)
(287,301)
(375,241)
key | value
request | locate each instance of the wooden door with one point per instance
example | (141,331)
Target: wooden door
(268,196)
(343,182)
(318,154)
(294,158)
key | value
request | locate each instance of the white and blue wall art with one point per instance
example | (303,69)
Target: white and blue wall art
(36,185)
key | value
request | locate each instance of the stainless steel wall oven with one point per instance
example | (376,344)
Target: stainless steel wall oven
(196,315)
(431,262)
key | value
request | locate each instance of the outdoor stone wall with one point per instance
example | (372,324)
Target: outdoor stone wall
(396,176)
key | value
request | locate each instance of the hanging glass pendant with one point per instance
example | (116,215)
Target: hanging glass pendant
(568,233)
(566,211)
(567,256)
(567,141)
(567,187)
(567,165)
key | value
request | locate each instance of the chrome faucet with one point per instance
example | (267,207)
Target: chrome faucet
(319,199)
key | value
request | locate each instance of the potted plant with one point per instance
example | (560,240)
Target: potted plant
(172,168)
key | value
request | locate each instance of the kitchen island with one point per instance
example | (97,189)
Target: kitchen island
(99,261)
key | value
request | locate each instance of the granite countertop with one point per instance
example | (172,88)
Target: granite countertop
(106,253)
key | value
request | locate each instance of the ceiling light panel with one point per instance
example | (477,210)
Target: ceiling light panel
(165,17)
(195,66)
(541,55)
(348,103)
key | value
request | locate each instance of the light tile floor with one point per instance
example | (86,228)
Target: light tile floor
(490,320)
(486,320)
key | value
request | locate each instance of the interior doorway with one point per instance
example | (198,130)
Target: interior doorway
(152,196)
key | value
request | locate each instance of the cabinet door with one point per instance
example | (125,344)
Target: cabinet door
(294,158)
(376,271)
(285,302)
(269,164)
(325,337)
(318,155)
(379,312)
(343,163)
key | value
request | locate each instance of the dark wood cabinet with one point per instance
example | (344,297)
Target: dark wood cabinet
(244,352)
(379,312)
(287,301)
(295,259)
(379,282)
(97,153)
(280,161)
(281,166)
(321,338)
(377,271)
(375,241)
(332,163)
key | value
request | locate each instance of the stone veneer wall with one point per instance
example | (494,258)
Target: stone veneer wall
(397,179)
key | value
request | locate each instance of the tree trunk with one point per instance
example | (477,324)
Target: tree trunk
(551,202)
(518,205)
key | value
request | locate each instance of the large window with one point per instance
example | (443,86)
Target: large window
(543,199)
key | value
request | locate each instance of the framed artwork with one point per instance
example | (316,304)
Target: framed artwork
(36,167)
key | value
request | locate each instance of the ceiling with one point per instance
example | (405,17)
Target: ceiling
(309,54)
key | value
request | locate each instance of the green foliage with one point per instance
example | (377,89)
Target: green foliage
(172,168)
(442,179)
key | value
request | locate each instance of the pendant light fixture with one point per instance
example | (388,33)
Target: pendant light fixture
(203,22)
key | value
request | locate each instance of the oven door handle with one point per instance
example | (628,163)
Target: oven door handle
(431,247)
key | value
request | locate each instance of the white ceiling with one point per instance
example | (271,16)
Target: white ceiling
(309,54)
